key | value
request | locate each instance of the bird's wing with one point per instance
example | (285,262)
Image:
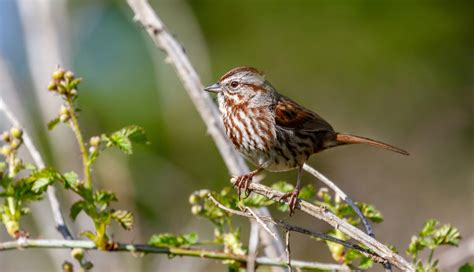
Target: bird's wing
(290,115)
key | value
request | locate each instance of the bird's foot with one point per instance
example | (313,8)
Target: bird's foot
(241,183)
(292,198)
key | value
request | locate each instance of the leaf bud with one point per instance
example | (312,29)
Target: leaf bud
(16,132)
(53,86)
(58,74)
(77,253)
(6,137)
(69,75)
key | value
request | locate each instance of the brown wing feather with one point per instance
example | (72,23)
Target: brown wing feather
(290,115)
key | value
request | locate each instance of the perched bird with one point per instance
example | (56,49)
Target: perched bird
(271,130)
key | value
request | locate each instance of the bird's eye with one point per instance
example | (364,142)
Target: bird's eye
(234,84)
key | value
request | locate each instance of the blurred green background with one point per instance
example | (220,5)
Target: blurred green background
(401,72)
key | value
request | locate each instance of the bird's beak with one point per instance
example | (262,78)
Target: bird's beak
(215,88)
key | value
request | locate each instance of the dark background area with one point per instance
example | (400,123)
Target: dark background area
(400,72)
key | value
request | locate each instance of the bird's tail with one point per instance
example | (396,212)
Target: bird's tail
(343,139)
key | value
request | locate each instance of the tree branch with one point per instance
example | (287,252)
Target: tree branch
(142,248)
(289,227)
(323,214)
(188,76)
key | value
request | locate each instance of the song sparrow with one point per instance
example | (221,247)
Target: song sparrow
(273,131)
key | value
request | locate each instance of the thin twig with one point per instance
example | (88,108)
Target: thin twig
(259,220)
(142,248)
(323,214)
(51,191)
(185,71)
(319,235)
(342,195)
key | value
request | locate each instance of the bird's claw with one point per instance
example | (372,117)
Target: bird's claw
(292,198)
(242,184)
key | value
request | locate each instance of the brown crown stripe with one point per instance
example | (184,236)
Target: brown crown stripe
(239,70)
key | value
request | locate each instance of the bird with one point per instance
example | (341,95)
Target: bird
(271,130)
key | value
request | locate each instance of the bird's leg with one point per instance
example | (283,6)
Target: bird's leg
(293,196)
(242,182)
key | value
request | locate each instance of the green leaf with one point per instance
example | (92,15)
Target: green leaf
(71,180)
(167,239)
(370,212)
(136,134)
(467,267)
(125,218)
(123,138)
(365,263)
(307,192)
(429,227)
(103,197)
(52,124)
(76,208)
(446,235)
(415,246)
(41,184)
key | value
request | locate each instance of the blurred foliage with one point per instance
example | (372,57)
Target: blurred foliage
(431,237)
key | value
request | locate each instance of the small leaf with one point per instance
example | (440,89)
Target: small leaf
(125,218)
(446,235)
(307,192)
(104,197)
(429,227)
(123,138)
(365,263)
(71,180)
(76,208)
(52,124)
(41,184)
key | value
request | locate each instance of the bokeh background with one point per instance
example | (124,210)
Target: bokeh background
(401,72)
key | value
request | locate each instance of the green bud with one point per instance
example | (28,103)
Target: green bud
(193,199)
(92,149)
(77,253)
(6,137)
(6,150)
(69,75)
(94,141)
(203,193)
(15,144)
(58,74)
(16,132)
(196,209)
(68,267)
(73,92)
(52,86)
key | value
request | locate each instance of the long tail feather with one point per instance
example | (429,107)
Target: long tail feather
(343,139)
